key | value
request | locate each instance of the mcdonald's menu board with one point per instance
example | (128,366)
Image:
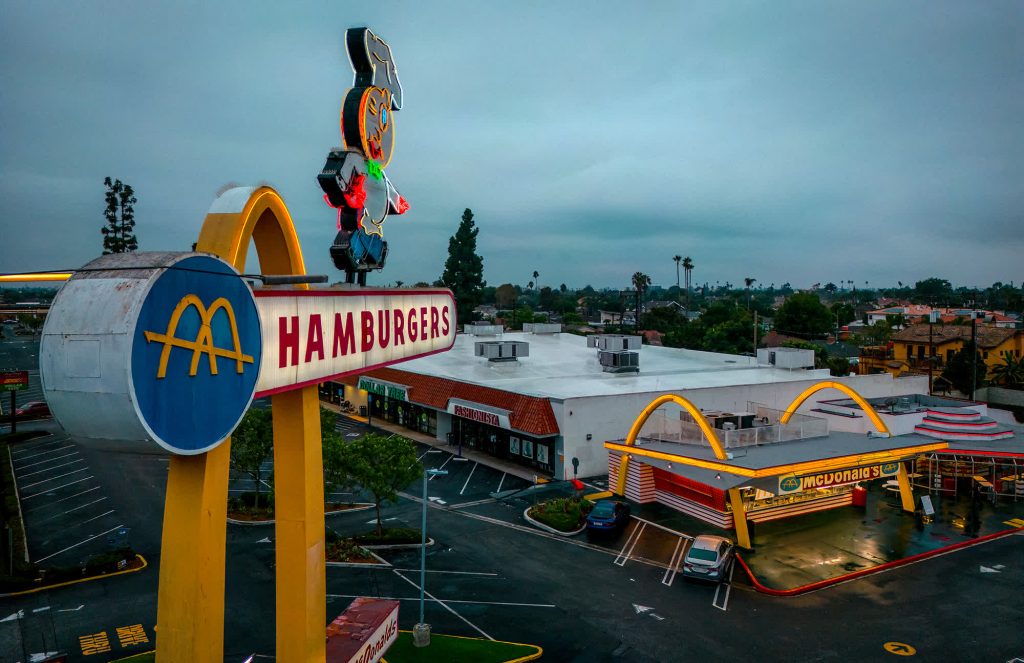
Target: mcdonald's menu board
(13,380)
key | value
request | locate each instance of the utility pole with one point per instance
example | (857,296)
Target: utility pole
(933,317)
(974,351)
(755,332)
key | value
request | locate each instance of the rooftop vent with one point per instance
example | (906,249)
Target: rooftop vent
(482,330)
(541,328)
(614,342)
(619,362)
(502,350)
(786,357)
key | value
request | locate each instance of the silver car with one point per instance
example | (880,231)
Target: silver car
(709,558)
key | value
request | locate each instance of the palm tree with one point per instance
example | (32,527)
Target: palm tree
(677,258)
(687,271)
(640,282)
(536,278)
(749,281)
(1010,373)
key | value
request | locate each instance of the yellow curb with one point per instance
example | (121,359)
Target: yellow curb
(128,658)
(593,497)
(79,580)
(522,659)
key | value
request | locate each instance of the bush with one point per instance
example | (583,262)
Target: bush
(390,536)
(344,550)
(566,514)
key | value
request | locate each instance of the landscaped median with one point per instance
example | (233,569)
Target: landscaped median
(243,509)
(565,516)
(457,649)
(359,549)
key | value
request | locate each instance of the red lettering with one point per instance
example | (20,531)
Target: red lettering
(413,328)
(384,328)
(399,327)
(444,321)
(423,323)
(314,338)
(344,335)
(433,322)
(366,317)
(289,341)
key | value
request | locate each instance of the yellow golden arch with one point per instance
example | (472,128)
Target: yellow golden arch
(204,337)
(190,610)
(906,492)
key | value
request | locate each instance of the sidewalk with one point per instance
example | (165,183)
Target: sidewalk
(526,473)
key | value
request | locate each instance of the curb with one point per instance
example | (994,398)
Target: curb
(828,582)
(358,565)
(79,580)
(551,530)
(396,546)
(363,507)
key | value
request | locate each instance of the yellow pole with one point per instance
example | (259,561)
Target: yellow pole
(739,518)
(299,511)
(906,492)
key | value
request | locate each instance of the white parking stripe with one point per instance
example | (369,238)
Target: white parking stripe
(96,517)
(43,462)
(503,475)
(49,469)
(63,499)
(54,517)
(634,538)
(728,588)
(43,453)
(673,564)
(38,561)
(434,476)
(468,478)
(416,598)
(84,469)
(445,606)
(47,492)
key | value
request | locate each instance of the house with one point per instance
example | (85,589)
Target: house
(910,348)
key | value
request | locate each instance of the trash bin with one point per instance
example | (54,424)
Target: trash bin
(860,496)
(362,410)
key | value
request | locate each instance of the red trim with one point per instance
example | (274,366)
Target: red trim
(351,293)
(939,422)
(821,584)
(954,414)
(963,433)
(362,369)
(979,452)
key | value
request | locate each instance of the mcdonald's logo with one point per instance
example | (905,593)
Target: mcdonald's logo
(203,342)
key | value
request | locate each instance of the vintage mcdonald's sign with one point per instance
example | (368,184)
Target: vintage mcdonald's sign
(793,483)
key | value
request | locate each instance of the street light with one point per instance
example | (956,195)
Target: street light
(421,631)
(933,317)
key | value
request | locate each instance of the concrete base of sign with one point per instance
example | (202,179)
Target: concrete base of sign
(421,635)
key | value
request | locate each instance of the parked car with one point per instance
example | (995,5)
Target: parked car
(709,558)
(607,516)
(33,410)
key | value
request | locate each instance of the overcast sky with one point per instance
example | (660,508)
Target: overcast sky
(788,142)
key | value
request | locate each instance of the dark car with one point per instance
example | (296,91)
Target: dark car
(607,516)
(709,558)
(33,410)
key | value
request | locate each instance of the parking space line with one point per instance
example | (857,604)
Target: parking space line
(434,476)
(673,564)
(63,499)
(445,606)
(503,475)
(38,561)
(728,588)
(43,453)
(47,492)
(416,598)
(71,462)
(84,469)
(41,441)
(634,538)
(96,517)
(667,529)
(54,517)
(73,453)
(468,478)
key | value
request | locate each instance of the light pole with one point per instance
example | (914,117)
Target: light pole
(421,631)
(933,317)
(974,351)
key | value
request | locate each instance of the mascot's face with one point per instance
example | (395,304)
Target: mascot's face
(376,128)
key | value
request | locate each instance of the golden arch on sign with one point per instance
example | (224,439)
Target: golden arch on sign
(709,432)
(839,386)
(204,337)
(190,610)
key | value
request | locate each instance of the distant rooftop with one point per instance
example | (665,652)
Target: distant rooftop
(561,366)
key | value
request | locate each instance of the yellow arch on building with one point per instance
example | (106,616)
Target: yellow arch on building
(709,432)
(839,386)
(190,609)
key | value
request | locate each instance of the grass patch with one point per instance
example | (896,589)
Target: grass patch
(344,550)
(391,536)
(451,649)
(566,514)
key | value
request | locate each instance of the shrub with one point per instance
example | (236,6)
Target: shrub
(565,514)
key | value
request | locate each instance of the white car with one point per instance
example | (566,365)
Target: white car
(709,558)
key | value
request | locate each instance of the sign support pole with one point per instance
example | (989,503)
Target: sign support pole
(14,417)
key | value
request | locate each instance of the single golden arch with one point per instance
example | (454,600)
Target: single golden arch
(204,338)
(709,432)
(190,609)
(813,389)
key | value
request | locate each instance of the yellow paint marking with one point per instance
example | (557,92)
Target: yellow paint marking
(132,635)
(1016,522)
(593,497)
(204,339)
(899,648)
(94,643)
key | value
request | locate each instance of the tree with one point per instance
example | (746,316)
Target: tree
(687,270)
(1010,373)
(677,258)
(464,269)
(120,214)
(379,465)
(844,313)
(251,445)
(933,291)
(749,282)
(505,296)
(641,282)
(803,314)
(959,373)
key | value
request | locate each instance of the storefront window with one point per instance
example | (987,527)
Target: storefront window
(513,445)
(528,448)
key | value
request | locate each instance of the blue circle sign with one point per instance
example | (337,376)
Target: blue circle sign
(195,354)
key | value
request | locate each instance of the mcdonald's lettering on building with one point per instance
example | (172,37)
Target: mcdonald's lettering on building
(790,484)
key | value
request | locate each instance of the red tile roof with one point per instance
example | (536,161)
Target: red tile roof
(988,337)
(529,414)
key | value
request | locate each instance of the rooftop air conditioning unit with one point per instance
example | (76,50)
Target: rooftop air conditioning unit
(619,362)
(482,330)
(615,342)
(502,350)
(542,328)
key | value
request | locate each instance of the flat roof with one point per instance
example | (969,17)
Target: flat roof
(561,366)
